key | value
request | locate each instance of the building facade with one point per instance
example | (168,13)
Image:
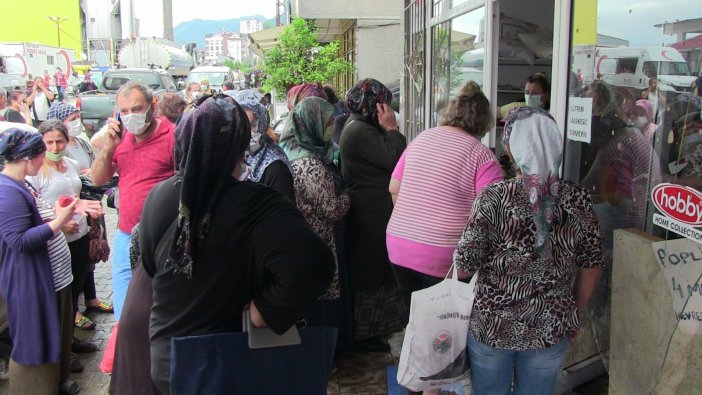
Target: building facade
(228,44)
(601,57)
(247,26)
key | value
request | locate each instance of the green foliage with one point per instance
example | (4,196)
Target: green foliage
(300,58)
(245,68)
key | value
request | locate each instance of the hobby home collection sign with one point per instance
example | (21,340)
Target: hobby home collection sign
(680,208)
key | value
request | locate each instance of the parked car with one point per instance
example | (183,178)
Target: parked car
(215,75)
(98,105)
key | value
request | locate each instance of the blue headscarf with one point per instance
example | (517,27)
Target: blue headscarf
(16,144)
(60,110)
(264,151)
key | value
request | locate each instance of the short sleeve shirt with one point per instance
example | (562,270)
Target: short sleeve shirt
(525,301)
(140,167)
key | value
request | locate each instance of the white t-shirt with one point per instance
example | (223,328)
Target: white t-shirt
(78,154)
(41,107)
(53,184)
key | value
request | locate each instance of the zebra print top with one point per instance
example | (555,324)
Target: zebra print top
(524,301)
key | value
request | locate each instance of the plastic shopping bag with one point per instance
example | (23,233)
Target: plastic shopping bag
(108,357)
(434,351)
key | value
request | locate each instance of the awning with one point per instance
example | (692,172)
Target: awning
(689,44)
(264,40)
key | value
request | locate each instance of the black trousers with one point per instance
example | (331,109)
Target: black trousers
(80,250)
(408,281)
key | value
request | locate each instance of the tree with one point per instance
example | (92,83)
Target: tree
(243,67)
(301,58)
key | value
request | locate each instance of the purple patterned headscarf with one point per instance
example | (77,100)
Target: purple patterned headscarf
(362,98)
(16,144)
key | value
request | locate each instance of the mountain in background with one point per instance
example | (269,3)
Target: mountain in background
(194,31)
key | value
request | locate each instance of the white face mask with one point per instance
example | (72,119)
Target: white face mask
(195,95)
(255,142)
(640,122)
(135,123)
(75,128)
(532,100)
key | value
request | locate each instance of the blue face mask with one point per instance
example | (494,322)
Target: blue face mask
(532,100)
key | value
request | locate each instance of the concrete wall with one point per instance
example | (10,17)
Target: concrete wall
(378,51)
(371,9)
(647,353)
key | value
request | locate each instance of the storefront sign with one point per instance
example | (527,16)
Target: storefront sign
(681,209)
(681,263)
(579,116)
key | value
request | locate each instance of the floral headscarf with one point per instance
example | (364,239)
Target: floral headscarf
(362,98)
(262,151)
(309,129)
(209,143)
(248,95)
(16,144)
(299,92)
(532,137)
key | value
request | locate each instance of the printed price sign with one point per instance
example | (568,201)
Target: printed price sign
(579,119)
(681,263)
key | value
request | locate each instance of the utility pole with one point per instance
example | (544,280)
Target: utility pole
(278,15)
(58,21)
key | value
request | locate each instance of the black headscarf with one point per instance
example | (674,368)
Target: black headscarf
(210,141)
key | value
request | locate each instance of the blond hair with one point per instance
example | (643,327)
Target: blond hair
(469,110)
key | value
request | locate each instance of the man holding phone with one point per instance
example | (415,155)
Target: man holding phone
(139,147)
(39,101)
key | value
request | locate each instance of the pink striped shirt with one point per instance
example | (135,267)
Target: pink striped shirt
(441,173)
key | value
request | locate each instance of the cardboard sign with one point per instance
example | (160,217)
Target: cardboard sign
(579,119)
(681,263)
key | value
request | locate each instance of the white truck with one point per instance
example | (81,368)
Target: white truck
(154,53)
(633,67)
(22,59)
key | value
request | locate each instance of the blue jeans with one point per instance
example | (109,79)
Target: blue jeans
(534,371)
(121,270)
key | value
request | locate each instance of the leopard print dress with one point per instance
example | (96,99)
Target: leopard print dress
(318,201)
(524,301)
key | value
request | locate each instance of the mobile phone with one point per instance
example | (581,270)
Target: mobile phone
(121,126)
(265,337)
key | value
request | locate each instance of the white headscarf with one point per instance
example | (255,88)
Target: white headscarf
(532,137)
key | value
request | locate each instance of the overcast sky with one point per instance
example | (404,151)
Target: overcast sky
(186,10)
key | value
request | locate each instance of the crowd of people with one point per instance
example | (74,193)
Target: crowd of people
(333,223)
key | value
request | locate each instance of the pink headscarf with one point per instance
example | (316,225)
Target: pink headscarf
(299,92)
(646,105)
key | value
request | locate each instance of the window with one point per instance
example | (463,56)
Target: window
(49,60)
(626,65)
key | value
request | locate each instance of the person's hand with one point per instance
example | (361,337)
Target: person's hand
(85,172)
(70,228)
(256,317)
(113,133)
(386,117)
(93,208)
(65,214)
(24,107)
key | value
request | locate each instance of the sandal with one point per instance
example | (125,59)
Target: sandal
(102,307)
(69,387)
(84,323)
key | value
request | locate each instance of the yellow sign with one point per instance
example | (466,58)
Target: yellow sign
(48,22)
(584,22)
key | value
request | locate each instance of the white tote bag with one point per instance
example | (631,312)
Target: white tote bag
(434,351)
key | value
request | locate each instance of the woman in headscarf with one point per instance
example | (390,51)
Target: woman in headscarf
(307,141)
(205,87)
(301,91)
(80,150)
(30,282)
(535,244)
(370,148)
(248,95)
(643,119)
(205,240)
(269,164)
